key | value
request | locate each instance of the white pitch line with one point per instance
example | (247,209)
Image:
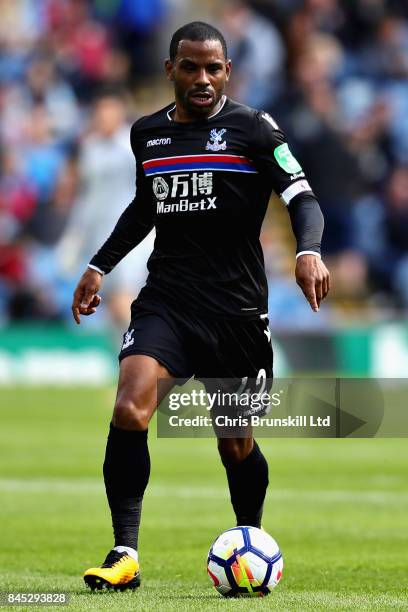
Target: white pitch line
(196,491)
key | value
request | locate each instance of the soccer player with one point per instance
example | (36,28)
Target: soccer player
(205,169)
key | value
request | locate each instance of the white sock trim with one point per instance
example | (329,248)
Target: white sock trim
(130,551)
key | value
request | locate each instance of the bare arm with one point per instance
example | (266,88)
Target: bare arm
(313,278)
(86,298)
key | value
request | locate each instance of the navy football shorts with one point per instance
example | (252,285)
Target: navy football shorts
(226,354)
(188,344)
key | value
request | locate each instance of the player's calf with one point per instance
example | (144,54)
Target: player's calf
(130,414)
(234,450)
(247,479)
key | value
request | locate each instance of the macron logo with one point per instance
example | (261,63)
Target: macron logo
(158,141)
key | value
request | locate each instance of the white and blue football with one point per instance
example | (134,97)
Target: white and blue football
(244,562)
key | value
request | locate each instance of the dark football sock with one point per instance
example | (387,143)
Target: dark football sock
(248,481)
(126,471)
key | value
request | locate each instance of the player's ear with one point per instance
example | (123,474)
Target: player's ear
(168,66)
(228,68)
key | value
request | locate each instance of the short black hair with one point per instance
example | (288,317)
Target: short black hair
(196,30)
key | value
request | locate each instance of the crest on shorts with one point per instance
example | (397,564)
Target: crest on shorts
(160,188)
(128,340)
(216,143)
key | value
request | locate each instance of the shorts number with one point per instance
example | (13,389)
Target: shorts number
(260,379)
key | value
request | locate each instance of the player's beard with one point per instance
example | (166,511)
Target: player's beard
(183,97)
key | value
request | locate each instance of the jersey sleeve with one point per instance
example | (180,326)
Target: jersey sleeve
(134,224)
(283,172)
(275,161)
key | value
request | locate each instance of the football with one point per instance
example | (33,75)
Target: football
(244,562)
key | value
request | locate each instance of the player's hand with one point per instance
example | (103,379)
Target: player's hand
(86,299)
(313,278)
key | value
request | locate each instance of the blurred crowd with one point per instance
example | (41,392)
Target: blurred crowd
(333,73)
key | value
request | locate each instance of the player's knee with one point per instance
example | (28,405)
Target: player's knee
(234,450)
(130,414)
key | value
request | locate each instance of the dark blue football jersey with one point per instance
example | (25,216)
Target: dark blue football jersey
(205,186)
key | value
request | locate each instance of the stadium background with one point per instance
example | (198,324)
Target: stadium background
(74,75)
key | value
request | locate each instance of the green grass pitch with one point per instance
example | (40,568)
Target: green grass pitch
(338,509)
